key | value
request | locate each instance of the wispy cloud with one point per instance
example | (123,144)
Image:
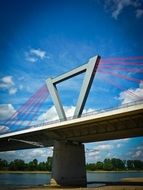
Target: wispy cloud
(137,152)
(132,95)
(116,7)
(12,90)
(40,153)
(34,55)
(139,13)
(38,52)
(8,80)
(31,59)
(7,83)
(105,149)
(93,156)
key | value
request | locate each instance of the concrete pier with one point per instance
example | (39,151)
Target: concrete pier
(68,164)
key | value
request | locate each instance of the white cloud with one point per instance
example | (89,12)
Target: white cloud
(137,154)
(117,6)
(38,52)
(104,147)
(31,59)
(28,155)
(8,84)
(98,151)
(35,54)
(93,156)
(37,152)
(12,90)
(51,114)
(132,95)
(8,80)
(139,13)
(4,85)
(6,111)
(93,153)
(8,155)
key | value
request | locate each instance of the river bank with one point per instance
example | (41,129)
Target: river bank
(24,172)
(48,172)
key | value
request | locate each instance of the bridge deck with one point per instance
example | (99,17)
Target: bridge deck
(115,124)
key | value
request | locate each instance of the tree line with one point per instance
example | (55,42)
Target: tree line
(115,164)
(20,165)
(107,165)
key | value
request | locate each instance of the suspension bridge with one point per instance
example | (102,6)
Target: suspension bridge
(67,135)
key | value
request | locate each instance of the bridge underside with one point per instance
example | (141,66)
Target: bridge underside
(115,124)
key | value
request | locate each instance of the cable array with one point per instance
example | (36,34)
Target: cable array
(123,68)
(25,115)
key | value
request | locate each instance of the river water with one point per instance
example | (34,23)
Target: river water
(40,179)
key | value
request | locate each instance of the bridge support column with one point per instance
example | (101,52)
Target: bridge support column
(68,164)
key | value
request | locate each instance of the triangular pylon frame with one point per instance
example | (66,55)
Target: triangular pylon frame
(90,70)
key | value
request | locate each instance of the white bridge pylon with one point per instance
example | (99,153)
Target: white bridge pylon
(89,69)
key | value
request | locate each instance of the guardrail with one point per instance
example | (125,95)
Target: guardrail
(91,113)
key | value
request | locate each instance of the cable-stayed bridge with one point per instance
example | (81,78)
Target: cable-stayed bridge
(68,134)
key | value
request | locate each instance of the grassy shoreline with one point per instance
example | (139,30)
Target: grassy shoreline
(48,172)
(24,172)
(120,171)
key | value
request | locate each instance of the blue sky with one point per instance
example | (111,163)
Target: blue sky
(46,38)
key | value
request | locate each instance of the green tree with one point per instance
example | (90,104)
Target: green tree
(130,164)
(3,164)
(33,165)
(117,164)
(42,166)
(49,163)
(91,167)
(107,165)
(99,165)
(138,164)
(17,164)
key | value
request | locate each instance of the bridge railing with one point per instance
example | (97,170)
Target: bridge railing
(96,112)
(113,108)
